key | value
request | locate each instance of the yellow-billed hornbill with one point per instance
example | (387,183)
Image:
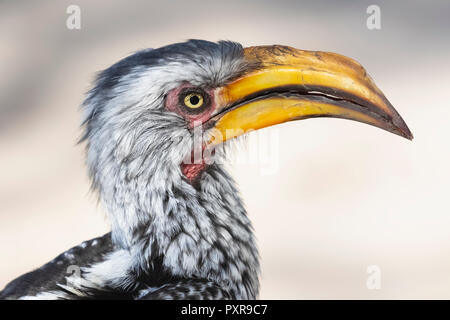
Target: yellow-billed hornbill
(179,229)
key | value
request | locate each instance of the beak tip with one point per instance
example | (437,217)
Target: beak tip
(404,131)
(408,135)
(400,126)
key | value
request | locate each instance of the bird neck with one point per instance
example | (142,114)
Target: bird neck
(188,231)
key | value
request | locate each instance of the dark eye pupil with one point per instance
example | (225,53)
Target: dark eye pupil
(194,100)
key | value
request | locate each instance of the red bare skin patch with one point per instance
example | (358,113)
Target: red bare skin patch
(193,169)
(197,163)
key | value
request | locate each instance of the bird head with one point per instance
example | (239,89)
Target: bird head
(151,102)
(143,112)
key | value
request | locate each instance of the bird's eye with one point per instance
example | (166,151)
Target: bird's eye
(193,100)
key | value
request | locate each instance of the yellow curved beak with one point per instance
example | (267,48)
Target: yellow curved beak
(285,84)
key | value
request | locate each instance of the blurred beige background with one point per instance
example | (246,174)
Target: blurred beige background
(346,195)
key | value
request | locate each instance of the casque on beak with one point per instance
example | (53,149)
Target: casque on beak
(288,84)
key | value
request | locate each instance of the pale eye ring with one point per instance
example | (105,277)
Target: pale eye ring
(193,100)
